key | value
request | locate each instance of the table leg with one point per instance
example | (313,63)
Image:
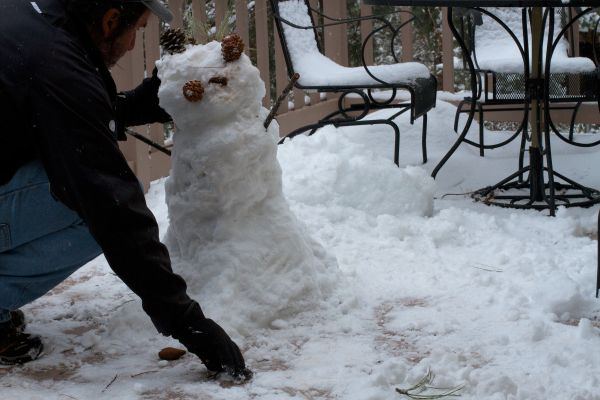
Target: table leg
(536,191)
(536,168)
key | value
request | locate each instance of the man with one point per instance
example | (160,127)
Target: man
(66,191)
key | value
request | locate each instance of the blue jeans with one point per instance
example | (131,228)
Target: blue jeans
(42,241)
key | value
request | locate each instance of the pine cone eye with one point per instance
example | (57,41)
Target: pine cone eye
(173,41)
(193,91)
(232,47)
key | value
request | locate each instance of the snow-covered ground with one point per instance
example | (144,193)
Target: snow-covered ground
(499,300)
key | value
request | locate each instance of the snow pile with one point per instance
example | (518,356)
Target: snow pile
(323,169)
(232,235)
(317,70)
(500,300)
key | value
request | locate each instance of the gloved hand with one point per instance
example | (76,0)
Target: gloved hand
(140,105)
(206,339)
(147,95)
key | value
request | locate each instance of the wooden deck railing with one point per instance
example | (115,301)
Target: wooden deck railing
(150,164)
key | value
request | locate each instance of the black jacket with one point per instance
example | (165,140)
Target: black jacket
(58,103)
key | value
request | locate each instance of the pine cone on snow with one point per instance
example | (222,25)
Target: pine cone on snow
(232,47)
(173,41)
(193,90)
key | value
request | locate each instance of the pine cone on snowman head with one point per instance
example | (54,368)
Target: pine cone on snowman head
(173,41)
(193,91)
(232,47)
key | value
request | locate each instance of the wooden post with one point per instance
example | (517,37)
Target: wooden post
(280,70)
(574,36)
(176,7)
(336,39)
(315,98)
(241,22)
(262,46)
(220,10)
(407,36)
(200,18)
(447,54)
(366,27)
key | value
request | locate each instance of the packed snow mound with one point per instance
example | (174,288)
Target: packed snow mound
(231,233)
(323,169)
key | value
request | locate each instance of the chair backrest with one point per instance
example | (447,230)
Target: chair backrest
(495,50)
(297,12)
(299,39)
(303,55)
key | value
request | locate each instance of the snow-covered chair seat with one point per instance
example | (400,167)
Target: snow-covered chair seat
(501,71)
(303,55)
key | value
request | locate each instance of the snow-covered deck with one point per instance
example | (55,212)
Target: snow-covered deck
(498,299)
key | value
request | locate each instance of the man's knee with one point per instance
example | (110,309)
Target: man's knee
(28,210)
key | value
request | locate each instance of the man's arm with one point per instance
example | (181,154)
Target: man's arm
(72,116)
(140,105)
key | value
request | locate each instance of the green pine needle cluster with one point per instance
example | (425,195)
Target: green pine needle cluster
(206,32)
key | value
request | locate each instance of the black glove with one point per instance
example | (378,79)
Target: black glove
(140,105)
(206,339)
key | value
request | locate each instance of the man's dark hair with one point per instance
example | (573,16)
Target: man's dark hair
(89,13)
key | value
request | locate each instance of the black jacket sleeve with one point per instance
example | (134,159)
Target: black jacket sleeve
(73,121)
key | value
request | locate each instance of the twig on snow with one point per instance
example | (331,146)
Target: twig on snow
(110,383)
(143,373)
(416,392)
(121,305)
(487,268)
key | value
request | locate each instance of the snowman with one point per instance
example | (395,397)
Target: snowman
(231,233)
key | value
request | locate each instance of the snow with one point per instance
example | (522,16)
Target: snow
(224,187)
(499,300)
(317,70)
(497,51)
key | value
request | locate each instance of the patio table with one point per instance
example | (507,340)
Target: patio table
(539,189)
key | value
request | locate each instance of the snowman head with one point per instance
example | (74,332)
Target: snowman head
(208,84)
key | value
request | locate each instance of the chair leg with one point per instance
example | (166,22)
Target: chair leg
(396,143)
(424,139)
(457,115)
(481,144)
(598,270)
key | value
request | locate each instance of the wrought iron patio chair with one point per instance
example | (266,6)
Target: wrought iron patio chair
(303,55)
(500,65)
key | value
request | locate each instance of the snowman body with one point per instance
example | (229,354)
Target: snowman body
(231,233)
